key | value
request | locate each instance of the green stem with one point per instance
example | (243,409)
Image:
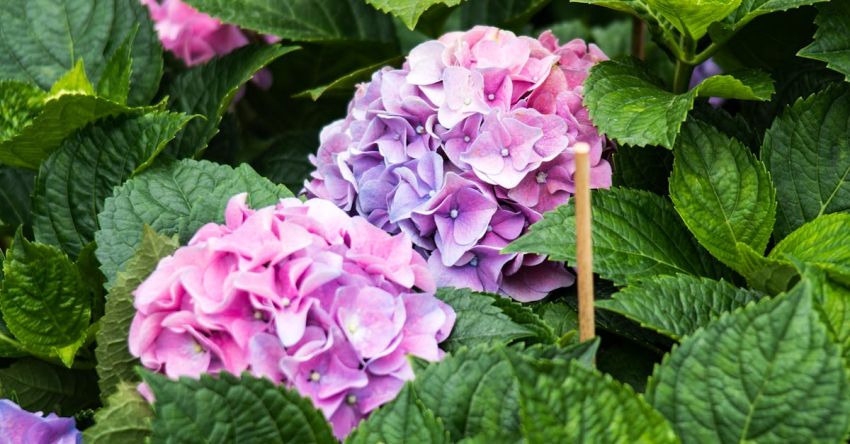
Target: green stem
(684,65)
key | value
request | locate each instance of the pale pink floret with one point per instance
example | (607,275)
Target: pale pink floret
(496,116)
(299,293)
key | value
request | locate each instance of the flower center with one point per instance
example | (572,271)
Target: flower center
(489,228)
(505,152)
(491,97)
(315,376)
(351,399)
(466,139)
(474,261)
(431,193)
(197,347)
(453,214)
(420,129)
(467,101)
(258,315)
(541,177)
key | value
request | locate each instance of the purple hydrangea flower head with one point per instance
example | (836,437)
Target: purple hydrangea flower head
(463,148)
(703,71)
(18,426)
(300,293)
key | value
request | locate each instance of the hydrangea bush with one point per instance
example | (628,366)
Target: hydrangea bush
(378,246)
(463,148)
(298,293)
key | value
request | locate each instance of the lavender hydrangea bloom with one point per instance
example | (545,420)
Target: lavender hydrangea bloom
(703,71)
(463,148)
(299,293)
(18,426)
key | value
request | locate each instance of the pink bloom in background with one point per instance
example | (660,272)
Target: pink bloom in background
(18,426)
(195,37)
(463,148)
(300,293)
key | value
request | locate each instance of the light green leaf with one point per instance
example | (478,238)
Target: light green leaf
(225,408)
(125,418)
(832,39)
(44,301)
(484,318)
(346,84)
(824,242)
(40,40)
(409,11)
(114,361)
(38,386)
(766,373)
(404,420)
(692,17)
(74,181)
(15,188)
(769,275)
(807,150)
(627,103)
(304,20)
(61,116)
(722,192)
(20,103)
(560,317)
(751,9)
(115,82)
(677,306)
(208,90)
(165,198)
(585,406)
(635,234)
(75,81)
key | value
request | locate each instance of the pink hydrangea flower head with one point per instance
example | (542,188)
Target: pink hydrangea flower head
(300,293)
(463,148)
(19,426)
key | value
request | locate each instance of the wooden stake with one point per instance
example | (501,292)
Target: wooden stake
(584,247)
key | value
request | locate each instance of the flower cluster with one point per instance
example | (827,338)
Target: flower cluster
(463,148)
(195,37)
(18,426)
(300,293)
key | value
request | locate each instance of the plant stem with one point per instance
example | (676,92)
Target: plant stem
(684,65)
(638,33)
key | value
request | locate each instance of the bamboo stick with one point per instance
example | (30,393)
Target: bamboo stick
(584,247)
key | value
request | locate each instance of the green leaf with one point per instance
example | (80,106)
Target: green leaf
(304,20)
(229,409)
(769,275)
(629,104)
(44,301)
(692,17)
(15,188)
(484,318)
(501,13)
(807,151)
(832,39)
(75,81)
(645,168)
(165,198)
(677,306)
(125,418)
(38,386)
(74,181)
(767,373)
(560,317)
(722,192)
(287,161)
(42,39)
(208,90)
(61,116)
(751,9)
(20,103)
(346,84)
(585,406)
(115,82)
(824,242)
(404,420)
(635,234)
(409,11)
(114,361)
